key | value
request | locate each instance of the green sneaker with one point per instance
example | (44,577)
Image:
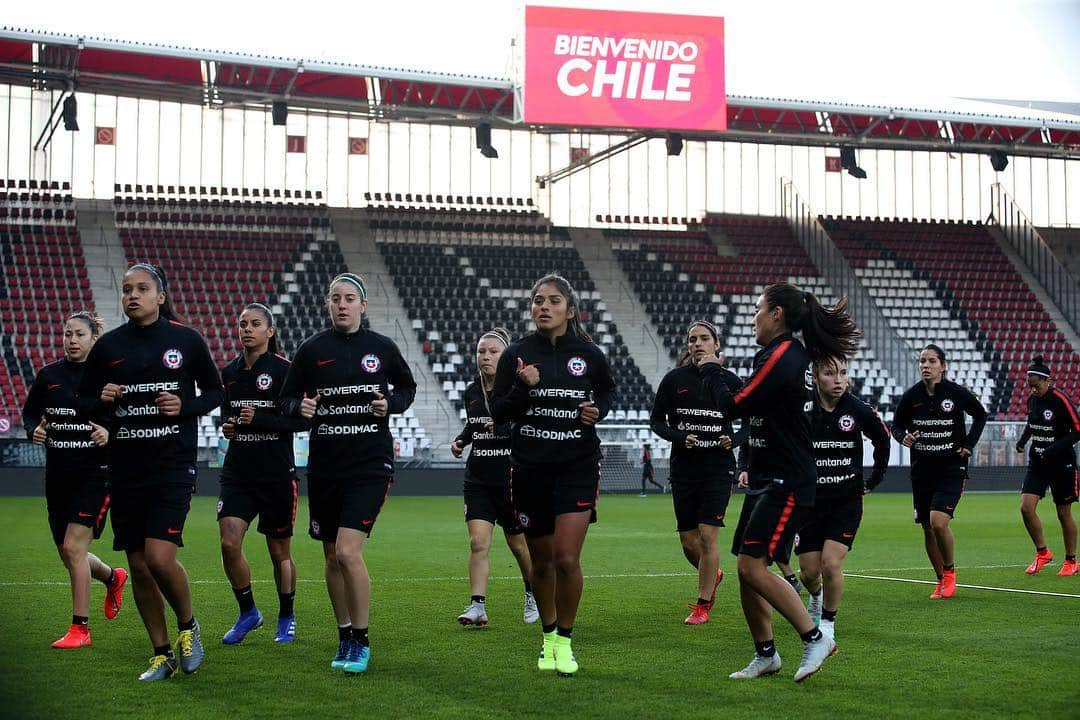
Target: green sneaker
(547,652)
(565,662)
(161,667)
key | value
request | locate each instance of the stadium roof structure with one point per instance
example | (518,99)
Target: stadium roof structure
(51,61)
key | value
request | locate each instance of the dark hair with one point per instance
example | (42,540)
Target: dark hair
(572,301)
(684,354)
(1039,367)
(503,335)
(826,331)
(92,320)
(167,309)
(272,345)
(937,350)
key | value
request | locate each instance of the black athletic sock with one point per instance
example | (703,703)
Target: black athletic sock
(80,620)
(112,577)
(829,615)
(479,599)
(565,632)
(360,637)
(549,628)
(947,568)
(165,650)
(285,604)
(245,599)
(1071,558)
(765,649)
(702,601)
(344,633)
(189,625)
(792,579)
(1040,550)
(528,586)
(812,636)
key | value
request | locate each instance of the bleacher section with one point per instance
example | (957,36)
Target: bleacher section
(44,280)
(680,277)
(234,246)
(456,282)
(951,283)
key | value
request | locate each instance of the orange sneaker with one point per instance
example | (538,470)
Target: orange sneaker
(936,595)
(699,615)
(114,596)
(1068,567)
(1041,559)
(77,636)
(948,584)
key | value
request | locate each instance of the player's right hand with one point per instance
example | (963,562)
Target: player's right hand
(456,448)
(111,392)
(40,433)
(744,479)
(307,407)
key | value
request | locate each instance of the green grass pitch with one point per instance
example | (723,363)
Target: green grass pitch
(985,653)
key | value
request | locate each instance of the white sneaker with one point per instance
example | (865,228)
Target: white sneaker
(475,614)
(814,606)
(828,627)
(814,654)
(759,667)
(531,613)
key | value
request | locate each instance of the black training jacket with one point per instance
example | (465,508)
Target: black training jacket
(775,401)
(547,427)
(939,420)
(345,370)
(489,459)
(68,447)
(164,356)
(1053,428)
(263,449)
(838,447)
(684,406)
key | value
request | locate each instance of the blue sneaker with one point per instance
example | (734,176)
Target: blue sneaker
(190,649)
(247,622)
(343,648)
(357,660)
(286,629)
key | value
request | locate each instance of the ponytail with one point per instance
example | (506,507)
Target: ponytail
(572,301)
(271,345)
(826,331)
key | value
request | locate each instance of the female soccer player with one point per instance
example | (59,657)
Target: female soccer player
(929,419)
(702,459)
(143,375)
(76,477)
(487,484)
(648,475)
(776,400)
(347,380)
(554,385)
(259,473)
(1053,428)
(837,424)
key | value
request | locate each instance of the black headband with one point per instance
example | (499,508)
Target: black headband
(1038,367)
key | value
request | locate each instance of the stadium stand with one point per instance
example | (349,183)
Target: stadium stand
(954,279)
(44,279)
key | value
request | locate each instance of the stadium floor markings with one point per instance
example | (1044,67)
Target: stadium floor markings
(959,585)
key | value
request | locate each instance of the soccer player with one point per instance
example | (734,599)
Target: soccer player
(259,474)
(776,402)
(554,385)
(702,459)
(648,475)
(929,420)
(1053,428)
(487,484)
(346,381)
(837,424)
(76,475)
(143,375)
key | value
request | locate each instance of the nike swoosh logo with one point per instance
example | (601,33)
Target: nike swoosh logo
(54,386)
(583,504)
(320,363)
(751,542)
(719,517)
(848,535)
(366,522)
(682,391)
(82,514)
(172,531)
(114,363)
